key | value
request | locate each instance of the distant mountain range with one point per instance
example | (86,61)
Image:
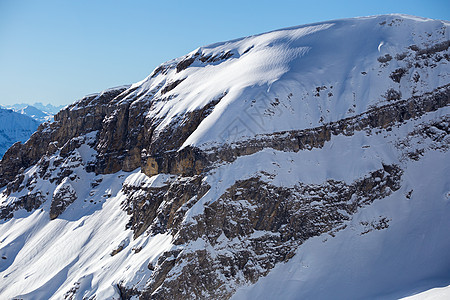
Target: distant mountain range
(14,127)
(38,111)
(19,121)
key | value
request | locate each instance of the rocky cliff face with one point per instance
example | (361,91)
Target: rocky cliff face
(221,164)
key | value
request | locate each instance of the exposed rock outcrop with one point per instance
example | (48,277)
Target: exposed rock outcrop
(63,196)
(254,226)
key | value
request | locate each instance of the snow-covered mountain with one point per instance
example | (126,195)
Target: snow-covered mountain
(48,108)
(36,114)
(304,163)
(14,128)
(38,111)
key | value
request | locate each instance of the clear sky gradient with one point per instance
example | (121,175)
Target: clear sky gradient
(58,51)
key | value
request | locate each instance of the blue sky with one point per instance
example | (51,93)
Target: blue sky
(58,51)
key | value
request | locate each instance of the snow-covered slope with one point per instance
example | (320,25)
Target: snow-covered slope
(308,162)
(395,247)
(320,73)
(14,127)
